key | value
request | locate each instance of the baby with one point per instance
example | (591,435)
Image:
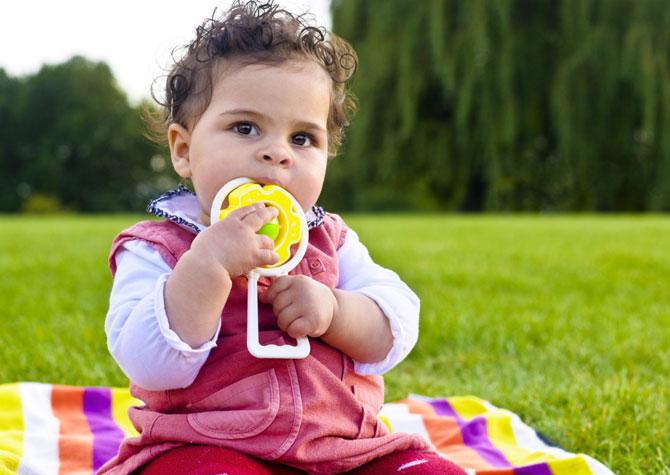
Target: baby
(257,94)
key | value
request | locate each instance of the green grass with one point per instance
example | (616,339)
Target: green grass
(564,320)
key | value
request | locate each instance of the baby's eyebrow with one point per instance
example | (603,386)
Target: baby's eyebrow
(250,112)
(312,126)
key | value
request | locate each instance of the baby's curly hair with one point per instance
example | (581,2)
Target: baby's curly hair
(253,32)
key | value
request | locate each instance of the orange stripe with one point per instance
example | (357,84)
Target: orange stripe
(418,407)
(75,440)
(446,436)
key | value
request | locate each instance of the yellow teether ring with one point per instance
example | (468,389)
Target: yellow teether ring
(290,230)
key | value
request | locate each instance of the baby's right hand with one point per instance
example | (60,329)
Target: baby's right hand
(233,242)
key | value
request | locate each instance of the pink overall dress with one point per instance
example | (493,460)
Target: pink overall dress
(315,414)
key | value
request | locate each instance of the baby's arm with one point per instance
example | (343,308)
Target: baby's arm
(138,335)
(400,305)
(359,328)
(199,285)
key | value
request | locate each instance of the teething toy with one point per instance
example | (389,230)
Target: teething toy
(287,230)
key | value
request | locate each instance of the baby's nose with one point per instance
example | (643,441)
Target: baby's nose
(276,155)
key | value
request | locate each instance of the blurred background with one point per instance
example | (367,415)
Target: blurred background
(478,105)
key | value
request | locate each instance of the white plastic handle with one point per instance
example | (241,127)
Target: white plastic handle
(301,350)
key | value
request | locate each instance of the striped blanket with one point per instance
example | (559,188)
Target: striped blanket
(52,429)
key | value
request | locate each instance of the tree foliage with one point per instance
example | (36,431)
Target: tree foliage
(70,135)
(9,129)
(507,105)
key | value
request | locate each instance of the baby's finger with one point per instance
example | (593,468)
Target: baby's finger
(298,328)
(280,301)
(244,211)
(259,217)
(266,257)
(265,242)
(278,285)
(287,316)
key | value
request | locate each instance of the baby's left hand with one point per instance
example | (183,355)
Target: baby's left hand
(303,306)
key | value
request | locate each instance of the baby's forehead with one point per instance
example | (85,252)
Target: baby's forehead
(291,91)
(225,67)
(244,83)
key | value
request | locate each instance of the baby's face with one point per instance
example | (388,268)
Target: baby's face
(264,122)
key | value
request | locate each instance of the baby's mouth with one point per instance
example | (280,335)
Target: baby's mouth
(268,181)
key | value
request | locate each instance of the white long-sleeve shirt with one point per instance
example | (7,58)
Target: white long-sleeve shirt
(154,357)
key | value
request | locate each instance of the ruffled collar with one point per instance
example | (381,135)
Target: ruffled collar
(181,207)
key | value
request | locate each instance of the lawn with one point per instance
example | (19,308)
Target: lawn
(563,319)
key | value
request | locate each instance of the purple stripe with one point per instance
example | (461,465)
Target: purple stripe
(474,433)
(535,469)
(107,436)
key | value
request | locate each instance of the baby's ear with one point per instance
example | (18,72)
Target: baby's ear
(179,139)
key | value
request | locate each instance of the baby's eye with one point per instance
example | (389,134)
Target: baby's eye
(303,140)
(245,128)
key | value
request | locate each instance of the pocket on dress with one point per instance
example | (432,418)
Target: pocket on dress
(366,427)
(240,410)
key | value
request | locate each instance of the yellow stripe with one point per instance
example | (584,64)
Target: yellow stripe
(572,466)
(11,428)
(121,401)
(501,435)
(467,407)
(386,422)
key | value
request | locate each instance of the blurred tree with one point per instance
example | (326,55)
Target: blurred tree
(611,104)
(76,139)
(9,93)
(83,142)
(507,105)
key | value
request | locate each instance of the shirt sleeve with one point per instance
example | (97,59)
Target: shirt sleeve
(359,273)
(138,334)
